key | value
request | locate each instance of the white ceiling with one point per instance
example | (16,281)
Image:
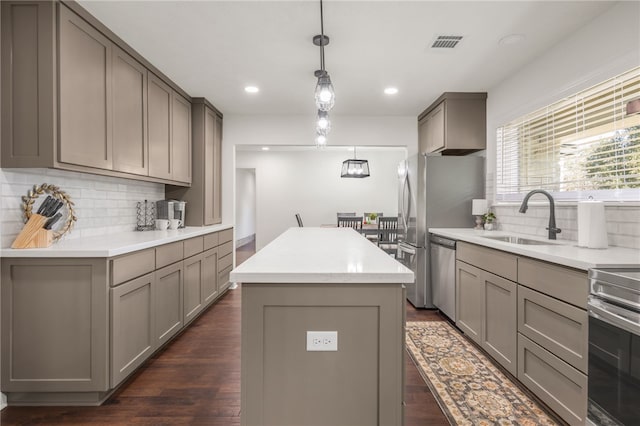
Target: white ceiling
(215,48)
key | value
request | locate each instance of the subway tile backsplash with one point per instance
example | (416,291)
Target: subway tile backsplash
(103,204)
(623,222)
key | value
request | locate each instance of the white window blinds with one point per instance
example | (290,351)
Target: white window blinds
(583,143)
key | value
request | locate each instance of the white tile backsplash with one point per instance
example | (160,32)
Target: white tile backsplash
(103,204)
(623,222)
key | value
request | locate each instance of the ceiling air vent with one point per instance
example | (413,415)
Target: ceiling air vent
(446,42)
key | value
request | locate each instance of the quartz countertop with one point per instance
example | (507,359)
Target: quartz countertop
(113,244)
(321,255)
(562,252)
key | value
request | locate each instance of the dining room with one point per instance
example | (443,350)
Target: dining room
(292,180)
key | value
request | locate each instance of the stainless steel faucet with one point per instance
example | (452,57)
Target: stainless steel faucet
(552,211)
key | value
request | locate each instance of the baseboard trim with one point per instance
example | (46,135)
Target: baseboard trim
(3,401)
(246,240)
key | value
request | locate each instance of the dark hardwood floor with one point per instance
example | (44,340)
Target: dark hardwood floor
(195,380)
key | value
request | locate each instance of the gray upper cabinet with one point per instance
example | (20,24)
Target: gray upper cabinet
(76,97)
(85,93)
(204,195)
(181,138)
(455,124)
(159,113)
(130,145)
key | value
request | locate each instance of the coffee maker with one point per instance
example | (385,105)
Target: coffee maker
(179,211)
(165,209)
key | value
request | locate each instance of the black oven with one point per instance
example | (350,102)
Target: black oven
(614,347)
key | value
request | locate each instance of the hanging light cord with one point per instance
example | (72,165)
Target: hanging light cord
(322,38)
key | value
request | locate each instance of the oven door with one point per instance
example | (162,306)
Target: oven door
(614,364)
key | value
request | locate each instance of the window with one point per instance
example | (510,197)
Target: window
(582,145)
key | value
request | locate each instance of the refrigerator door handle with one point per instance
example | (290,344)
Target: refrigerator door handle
(404,248)
(406,195)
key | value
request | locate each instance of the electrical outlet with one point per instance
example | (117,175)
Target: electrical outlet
(322,341)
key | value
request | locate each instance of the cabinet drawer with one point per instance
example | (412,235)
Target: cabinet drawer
(224,262)
(560,386)
(225,249)
(566,284)
(557,326)
(129,266)
(223,279)
(211,240)
(495,261)
(193,246)
(226,235)
(169,253)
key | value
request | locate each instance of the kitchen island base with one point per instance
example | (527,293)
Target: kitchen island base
(359,384)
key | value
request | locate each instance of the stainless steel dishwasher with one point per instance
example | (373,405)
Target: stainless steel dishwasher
(443,274)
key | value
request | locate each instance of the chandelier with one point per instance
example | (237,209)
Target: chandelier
(354,168)
(325,96)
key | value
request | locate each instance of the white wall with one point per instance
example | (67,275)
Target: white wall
(308,182)
(245,203)
(299,130)
(609,45)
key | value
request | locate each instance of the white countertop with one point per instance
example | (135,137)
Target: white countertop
(321,255)
(113,244)
(562,252)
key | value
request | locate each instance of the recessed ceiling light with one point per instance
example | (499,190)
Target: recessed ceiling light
(390,90)
(511,39)
(265,148)
(251,89)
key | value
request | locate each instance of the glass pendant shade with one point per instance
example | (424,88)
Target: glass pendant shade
(323,124)
(325,96)
(321,141)
(355,169)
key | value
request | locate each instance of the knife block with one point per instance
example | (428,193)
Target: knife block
(32,230)
(42,239)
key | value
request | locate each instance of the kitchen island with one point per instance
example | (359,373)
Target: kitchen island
(327,280)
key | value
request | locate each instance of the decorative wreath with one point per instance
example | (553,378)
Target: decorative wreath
(29,200)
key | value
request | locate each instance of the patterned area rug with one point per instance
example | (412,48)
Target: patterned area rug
(468,388)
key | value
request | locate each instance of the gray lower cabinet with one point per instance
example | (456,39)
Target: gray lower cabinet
(169,293)
(469,293)
(560,328)
(560,386)
(500,320)
(55,322)
(132,323)
(193,296)
(72,329)
(537,327)
(210,276)
(486,310)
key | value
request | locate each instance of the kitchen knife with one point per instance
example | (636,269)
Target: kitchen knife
(52,221)
(44,204)
(53,209)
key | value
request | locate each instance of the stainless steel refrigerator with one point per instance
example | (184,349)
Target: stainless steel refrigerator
(434,192)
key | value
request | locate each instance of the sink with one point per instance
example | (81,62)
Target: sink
(520,240)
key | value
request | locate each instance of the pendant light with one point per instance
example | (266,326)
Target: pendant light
(354,168)
(323,124)
(325,95)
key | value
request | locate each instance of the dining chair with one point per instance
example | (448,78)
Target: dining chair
(388,234)
(339,215)
(299,219)
(354,222)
